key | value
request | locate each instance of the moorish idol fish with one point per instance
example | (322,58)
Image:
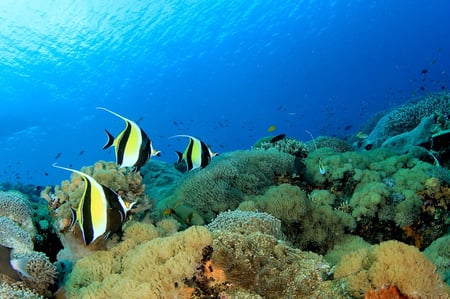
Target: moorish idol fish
(101,211)
(196,155)
(132,146)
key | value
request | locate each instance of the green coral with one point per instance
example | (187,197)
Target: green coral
(227,180)
(408,211)
(286,202)
(287,145)
(439,253)
(348,244)
(383,191)
(368,199)
(336,144)
(309,222)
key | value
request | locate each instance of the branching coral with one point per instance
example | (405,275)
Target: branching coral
(391,263)
(368,199)
(286,202)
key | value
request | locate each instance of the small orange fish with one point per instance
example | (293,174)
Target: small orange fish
(271,128)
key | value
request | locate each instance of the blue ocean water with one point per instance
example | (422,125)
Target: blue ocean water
(220,70)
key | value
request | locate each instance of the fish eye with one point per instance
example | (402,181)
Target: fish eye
(369,147)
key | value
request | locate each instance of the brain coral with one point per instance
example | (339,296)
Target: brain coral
(143,265)
(224,183)
(391,263)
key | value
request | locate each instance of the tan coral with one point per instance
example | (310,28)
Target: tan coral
(40,272)
(13,236)
(391,263)
(16,289)
(14,205)
(153,268)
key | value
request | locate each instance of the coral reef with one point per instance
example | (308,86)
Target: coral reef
(14,205)
(143,265)
(38,272)
(245,222)
(13,236)
(259,263)
(386,193)
(285,219)
(336,144)
(34,270)
(159,178)
(421,134)
(16,289)
(391,263)
(407,117)
(348,244)
(224,183)
(390,292)
(439,253)
(286,145)
(309,222)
